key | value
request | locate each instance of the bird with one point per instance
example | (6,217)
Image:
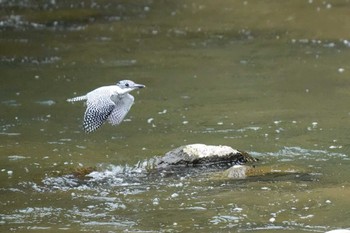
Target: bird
(108,103)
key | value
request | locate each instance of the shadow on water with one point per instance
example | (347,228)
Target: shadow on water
(268,77)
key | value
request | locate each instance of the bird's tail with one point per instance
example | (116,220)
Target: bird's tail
(78,98)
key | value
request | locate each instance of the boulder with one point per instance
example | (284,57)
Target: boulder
(201,155)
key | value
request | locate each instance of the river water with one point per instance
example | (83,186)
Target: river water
(268,77)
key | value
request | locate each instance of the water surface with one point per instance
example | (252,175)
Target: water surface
(268,77)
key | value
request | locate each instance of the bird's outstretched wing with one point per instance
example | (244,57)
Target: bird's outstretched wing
(96,113)
(122,107)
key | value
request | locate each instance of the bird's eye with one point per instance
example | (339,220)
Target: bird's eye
(127,84)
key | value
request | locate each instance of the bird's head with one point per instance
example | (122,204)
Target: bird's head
(128,85)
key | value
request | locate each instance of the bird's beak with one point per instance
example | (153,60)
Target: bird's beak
(138,86)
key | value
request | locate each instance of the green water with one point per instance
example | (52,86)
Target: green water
(268,77)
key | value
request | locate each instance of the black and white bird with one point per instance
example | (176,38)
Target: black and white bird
(110,103)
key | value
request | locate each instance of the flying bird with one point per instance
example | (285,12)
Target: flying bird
(110,103)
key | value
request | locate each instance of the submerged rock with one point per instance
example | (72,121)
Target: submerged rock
(266,172)
(200,155)
(237,172)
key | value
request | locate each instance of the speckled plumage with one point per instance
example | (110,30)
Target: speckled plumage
(110,103)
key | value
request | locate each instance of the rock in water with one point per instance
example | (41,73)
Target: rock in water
(201,154)
(237,172)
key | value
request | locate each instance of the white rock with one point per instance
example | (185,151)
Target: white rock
(202,150)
